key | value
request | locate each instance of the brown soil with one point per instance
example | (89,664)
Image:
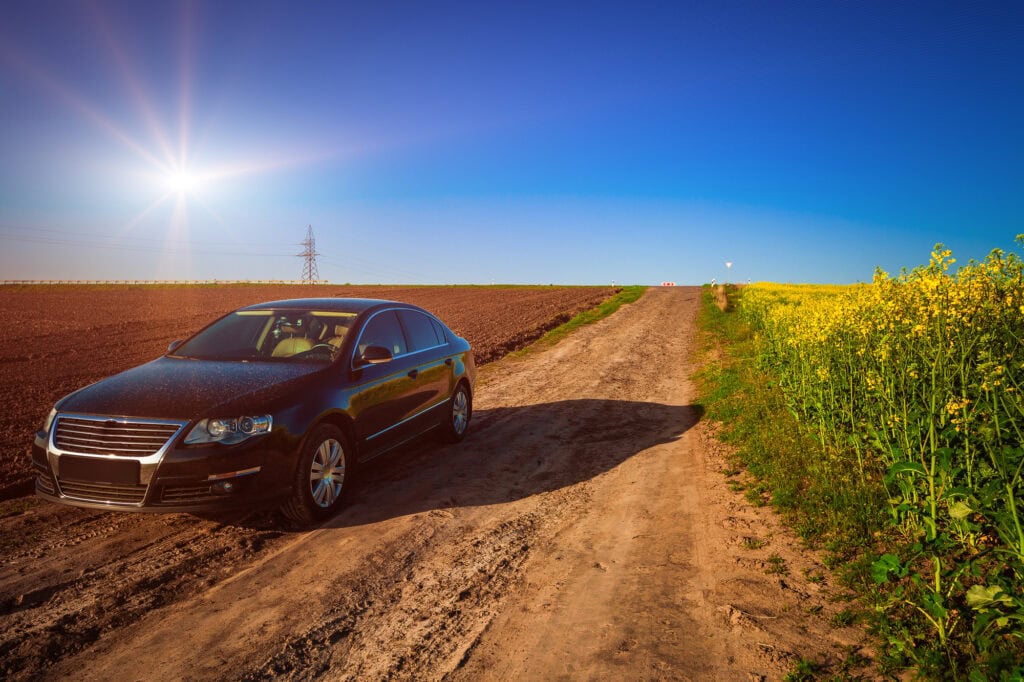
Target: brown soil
(584,529)
(56,339)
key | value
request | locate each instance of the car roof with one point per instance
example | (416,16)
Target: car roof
(348,305)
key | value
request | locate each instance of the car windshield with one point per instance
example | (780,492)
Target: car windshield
(271,335)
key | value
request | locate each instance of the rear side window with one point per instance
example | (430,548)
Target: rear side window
(383,330)
(439,330)
(419,329)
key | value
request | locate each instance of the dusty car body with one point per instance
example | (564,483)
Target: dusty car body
(275,403)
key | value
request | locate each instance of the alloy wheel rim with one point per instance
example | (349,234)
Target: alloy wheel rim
(460,412)
(327,473)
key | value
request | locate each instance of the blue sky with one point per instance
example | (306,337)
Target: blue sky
(535,142)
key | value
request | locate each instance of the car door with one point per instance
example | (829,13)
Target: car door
(433,370)
(385,394)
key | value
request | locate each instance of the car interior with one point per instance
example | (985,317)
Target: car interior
(292,343)
(292,334)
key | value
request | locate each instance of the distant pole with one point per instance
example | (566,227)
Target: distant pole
(310,273)
(728,268)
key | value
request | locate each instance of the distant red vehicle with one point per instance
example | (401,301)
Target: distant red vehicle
(668,284)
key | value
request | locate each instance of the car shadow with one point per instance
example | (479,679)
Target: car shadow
(512,453)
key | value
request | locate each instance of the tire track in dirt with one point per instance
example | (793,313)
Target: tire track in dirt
(87,576)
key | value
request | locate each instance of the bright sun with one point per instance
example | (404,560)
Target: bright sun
(181,182)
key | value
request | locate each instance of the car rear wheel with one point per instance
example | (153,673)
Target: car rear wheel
(460,410)
(322,477)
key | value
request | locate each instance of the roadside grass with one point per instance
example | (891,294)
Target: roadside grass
(838,516)
(625,295)
(553,336)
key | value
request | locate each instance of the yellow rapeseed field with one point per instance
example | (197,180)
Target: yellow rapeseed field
(920,377)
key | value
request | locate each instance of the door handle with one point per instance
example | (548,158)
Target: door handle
(448,361)
(414,373)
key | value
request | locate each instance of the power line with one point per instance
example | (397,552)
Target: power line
(375,269)
(6,228)
(81,243)
(346,266)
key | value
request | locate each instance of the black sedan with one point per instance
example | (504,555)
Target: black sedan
(276,403)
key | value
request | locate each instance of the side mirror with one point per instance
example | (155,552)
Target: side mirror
(173,345)
(375,355)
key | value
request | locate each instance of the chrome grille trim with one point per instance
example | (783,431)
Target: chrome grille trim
(110,493)
(121,437)
(44,479)
(142,439)
(45,484)
(187,493)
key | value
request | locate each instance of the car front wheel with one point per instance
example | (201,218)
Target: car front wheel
(322,476)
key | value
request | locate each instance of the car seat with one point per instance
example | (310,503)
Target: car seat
(291,345)
(339,335)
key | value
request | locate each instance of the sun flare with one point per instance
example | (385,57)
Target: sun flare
(181,182)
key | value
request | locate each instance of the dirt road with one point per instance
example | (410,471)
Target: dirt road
(583,530)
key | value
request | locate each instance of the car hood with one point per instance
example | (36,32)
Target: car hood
(181,388)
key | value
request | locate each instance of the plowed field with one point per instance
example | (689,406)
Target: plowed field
(56,339)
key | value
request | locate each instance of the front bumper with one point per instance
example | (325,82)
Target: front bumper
(254,473)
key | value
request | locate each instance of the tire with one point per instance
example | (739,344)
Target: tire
(323,476)
(458,414)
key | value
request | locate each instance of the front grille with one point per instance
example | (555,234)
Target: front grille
(104,492)
(124,438)
(187,493)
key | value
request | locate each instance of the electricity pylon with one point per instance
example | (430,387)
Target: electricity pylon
(310,274)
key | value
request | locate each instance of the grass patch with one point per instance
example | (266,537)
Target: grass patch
(604,309)
(758,495)
(625,295)
(804,670)
(813,576)
(754,543)
(777,565)
(844,618)
(785,463)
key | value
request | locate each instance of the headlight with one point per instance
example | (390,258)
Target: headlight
(228,431)
(49,420)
